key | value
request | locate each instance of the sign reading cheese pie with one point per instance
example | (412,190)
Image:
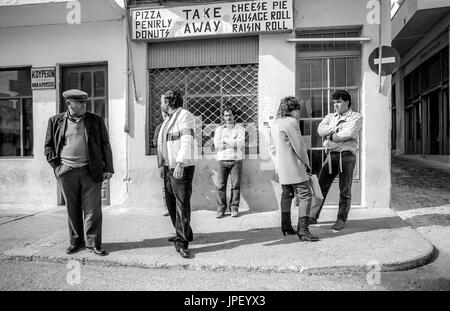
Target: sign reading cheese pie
(260,16)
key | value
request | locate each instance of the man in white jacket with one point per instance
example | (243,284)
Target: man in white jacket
(177,154)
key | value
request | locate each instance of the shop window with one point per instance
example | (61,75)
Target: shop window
(329,46)
(431,73)
(446,104)
(408,87)
(206,90)
(16,113)
(90,79)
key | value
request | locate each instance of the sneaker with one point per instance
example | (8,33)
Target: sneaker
(234,212)
(339,225)
(220,214)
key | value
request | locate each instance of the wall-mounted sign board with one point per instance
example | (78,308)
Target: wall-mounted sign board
(243,17)
(43,78)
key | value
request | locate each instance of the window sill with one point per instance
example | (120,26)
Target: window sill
(16,158)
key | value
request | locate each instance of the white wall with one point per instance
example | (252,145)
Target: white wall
(31,180)
(376,157)
(326,13)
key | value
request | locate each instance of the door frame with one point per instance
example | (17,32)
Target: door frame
(59,103)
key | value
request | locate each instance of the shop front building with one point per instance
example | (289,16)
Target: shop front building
(249,57)
(247,54)
(420,103)
(48,47)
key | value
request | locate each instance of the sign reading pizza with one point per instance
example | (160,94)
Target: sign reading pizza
(245,17)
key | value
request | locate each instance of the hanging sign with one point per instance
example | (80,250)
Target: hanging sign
(43,78)
(244,17)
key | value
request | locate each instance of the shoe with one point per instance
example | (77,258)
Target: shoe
(73,249)
(184,252)
(172,239)
(96,250)
(339,225)
(303,231)
(234,212)
(220,214)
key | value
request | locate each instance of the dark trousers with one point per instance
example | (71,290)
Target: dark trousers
(178,199)
(84,205)
(345,181)
(234,170)
(303,192)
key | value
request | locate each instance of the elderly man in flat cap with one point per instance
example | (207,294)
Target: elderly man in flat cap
(77,148)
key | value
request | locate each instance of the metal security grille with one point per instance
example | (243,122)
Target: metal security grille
(431,73)
(206,90)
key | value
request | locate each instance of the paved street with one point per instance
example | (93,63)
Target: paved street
(421,197)
(412,183)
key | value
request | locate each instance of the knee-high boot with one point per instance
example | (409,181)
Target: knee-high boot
(286,225)
(303,230)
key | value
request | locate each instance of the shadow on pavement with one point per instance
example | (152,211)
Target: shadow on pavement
(268,236)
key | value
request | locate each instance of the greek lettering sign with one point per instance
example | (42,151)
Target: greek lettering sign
(43,78)
(212,19)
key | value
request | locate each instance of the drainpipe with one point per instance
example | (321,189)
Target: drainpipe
(380,45)
(129,98)
(126,95)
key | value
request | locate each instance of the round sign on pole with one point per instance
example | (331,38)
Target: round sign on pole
(390,60)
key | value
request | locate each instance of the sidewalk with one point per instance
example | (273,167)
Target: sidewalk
(252,242)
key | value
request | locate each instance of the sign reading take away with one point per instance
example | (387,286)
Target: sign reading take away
(212,19)
(43,78)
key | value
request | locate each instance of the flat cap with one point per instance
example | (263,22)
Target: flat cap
(75,94)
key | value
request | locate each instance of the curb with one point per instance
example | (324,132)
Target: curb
(422,260)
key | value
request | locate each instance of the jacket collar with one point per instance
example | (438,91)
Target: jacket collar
(62,120)
(173,118)
(345,115)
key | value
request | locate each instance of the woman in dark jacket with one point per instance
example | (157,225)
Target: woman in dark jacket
(291,163)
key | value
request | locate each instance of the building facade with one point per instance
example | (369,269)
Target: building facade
(248,54)
(420,96)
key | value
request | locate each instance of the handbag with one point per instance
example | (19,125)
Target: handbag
(317,196)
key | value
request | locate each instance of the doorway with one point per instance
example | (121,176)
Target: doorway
(414,127)
(91,79)
(434,141)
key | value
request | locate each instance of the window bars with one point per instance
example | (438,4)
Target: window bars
(206,90)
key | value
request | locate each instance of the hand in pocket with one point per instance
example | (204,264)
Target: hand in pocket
(62,169)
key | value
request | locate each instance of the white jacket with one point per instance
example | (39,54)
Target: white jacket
(229,143)
(349,126)
(181,144)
